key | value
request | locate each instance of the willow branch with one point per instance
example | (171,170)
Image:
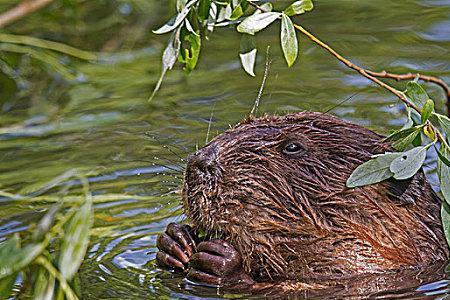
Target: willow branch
(411,76)
(21,10)
(371,75)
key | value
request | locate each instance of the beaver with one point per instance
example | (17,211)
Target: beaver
(271,196)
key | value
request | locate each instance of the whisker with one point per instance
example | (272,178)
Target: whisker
(340,103)
(182,149)
(173,152)
(169,167)
(209,124)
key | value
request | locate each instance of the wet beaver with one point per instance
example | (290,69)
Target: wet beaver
(274,190)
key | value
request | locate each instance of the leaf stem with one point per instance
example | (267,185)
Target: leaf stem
(55,273)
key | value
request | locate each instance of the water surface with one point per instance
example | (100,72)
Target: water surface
(100,120)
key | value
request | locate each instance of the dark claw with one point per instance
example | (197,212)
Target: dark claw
(176,246)
(167,261)
(209,263)
(182,235)
(221,248)
(199,276)
(217,263)
(166,244)
(221,258)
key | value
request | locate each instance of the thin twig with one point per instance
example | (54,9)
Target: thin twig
(255,6)
(367,74)
(21,10)
(263,83)
(411,76)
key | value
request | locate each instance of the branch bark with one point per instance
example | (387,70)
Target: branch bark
(411,76)
(21,10)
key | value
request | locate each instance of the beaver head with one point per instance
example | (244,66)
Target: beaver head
(275,187)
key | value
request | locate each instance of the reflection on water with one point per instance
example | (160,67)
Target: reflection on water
(103,122)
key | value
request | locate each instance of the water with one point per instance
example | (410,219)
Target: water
(101,121)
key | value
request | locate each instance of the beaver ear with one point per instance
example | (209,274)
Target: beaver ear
(406,191)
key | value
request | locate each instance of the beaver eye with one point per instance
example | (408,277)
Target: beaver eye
(292,148)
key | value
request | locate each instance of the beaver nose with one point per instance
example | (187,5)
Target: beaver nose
(204,159)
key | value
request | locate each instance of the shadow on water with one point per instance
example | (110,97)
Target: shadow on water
(102,122)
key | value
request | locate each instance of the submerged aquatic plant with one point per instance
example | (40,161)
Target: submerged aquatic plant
(199,18)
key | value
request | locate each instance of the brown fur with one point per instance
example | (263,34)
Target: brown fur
(294,218)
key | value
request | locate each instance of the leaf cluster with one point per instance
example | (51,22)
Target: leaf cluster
(197,19)
(419,133)
(51,274)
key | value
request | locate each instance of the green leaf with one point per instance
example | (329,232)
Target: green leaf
(76,239)
(203,9)
(45,44)
(257,22)
(443,171)
(408,163)
(248,61)
(237,13)
(212,18)
(248,53)
(189,27)
(409,123)
(289,42)
(416,94)
(266,7)
(181,4)
(427,110)
(6,286)
(248,43)
(443,155)
(190,55)
(403,133)
(401,144)
(429,132)
(169,58)
(444,122)
(45,223)
(299,7)
(225,13)
(9,246)
(244,4)
(417,141)
(13,259)
(171,24)
(372,171)
(44,285)
(445,217)
(176,20)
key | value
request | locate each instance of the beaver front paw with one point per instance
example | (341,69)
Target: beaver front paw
(176,247)
(217,263)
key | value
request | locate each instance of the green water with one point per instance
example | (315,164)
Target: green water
(101,121)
